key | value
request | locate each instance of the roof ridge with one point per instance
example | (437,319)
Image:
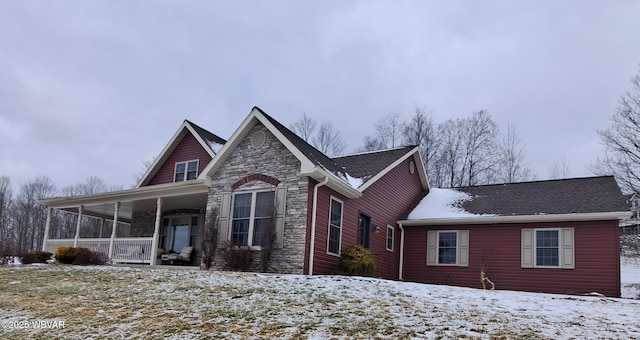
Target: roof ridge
(535,181)
(206,133)
(375,151)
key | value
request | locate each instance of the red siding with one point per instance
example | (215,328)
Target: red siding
(385,202)
(597,264)
(187,150)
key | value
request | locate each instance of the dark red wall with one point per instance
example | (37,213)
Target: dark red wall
(385,202)
(597,264)
(187,150)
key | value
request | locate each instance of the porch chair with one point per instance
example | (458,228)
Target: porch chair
(183,256)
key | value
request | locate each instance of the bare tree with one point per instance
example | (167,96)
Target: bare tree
(389,130)
(210,242)
(304,127)
(328,140)
(30,216)
(450,160)
(144,167)
(7,230)
(622,141)
(371,143)
(560,169)
(512,166)
(420,131)
(480,147)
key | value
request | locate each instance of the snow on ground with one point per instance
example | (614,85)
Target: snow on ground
(630,277)
(121,302)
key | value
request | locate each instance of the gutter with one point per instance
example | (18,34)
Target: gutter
(312,240)
(401,252)
(497,219)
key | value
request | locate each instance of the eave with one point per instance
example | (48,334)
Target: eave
(599,216)
(197,186)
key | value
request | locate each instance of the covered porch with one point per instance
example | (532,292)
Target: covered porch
(131,226)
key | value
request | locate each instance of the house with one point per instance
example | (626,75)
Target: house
(557,236)
(381,200)
(631,226)
(323,204)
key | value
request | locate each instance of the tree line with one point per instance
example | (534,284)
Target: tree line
(457,152)
(22,219)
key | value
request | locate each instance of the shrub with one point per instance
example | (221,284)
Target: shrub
(237,256)
(35,256)
(83,256)
(68,255)
(356,260)
(86,257)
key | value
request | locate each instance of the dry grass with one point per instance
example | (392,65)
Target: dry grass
(108,302)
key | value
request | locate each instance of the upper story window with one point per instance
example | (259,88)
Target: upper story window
(335,227)
(252,213)
(186,171)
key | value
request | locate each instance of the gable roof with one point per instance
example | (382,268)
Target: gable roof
(213,141)
(210,142)
(564,199)
(344,178)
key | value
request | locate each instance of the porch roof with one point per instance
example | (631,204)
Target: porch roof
(182,195)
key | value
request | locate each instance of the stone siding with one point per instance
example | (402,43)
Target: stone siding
(271,159)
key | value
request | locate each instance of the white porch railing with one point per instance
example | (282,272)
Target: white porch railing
(125,250)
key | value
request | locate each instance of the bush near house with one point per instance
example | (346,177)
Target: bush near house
(356,260)
(35,256)
(237,257)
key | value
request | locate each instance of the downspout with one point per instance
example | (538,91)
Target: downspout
(312,240)
(401,251)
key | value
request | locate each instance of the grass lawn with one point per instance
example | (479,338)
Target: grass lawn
(122,303)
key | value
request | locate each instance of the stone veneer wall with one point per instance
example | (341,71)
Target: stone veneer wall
(142,223)
(275,160)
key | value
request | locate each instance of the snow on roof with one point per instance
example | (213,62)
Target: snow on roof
(442,203)
(354,182)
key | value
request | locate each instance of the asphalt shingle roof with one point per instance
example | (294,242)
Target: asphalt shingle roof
(363,165)
(565,196)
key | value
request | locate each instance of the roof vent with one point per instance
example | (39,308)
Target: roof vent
(258,139)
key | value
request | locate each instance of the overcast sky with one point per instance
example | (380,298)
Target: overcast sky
(90,88)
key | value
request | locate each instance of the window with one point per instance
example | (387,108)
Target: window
(390,238)
(364,230)
(335,227)
(186,171)
(251,214)
(547,248)
(448,247)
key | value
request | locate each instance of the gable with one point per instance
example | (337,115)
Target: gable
(188,149)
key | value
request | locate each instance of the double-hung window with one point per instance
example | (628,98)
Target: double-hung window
(448,247)
(186,171)
(548,248)
(335,227)
(390,231)
(252,213)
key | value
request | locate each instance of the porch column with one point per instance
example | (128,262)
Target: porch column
(113,229)
(102,220)
(46,229)
(156,231)
(75,240)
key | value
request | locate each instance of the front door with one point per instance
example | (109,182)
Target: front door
(364,230)
(179,232)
